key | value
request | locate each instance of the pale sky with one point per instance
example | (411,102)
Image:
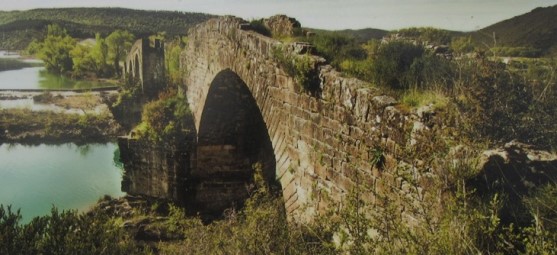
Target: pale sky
(462,15)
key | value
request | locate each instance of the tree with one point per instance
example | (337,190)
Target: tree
(100,55)
(55,50)
(91,58)
(118,42)
(82,60)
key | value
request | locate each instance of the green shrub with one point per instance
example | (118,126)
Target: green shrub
(301,67)
(337,48)
(66,232)
(462,45)
(167,119)
(500,105)
(392,63)
(172,54)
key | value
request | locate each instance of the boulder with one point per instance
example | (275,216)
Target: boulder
(513,172)
(282,25)
(516,168)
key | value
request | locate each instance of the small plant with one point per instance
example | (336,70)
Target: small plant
(299,67)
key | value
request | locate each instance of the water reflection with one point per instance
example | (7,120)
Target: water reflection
(84,150)
(117,160)
(53,81)
(18,73)
(7,64)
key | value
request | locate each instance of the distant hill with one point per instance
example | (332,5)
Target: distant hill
(361,35)
(18,28)
(364,35)
(536,29)
(431,35)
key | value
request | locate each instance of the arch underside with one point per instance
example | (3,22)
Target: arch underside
(231,138)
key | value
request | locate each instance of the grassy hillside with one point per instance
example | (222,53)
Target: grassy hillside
(18,28)
(535,29)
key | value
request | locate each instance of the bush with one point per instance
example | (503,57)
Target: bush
(337,48)
(66,232)
(392,63)
(500,105)
(260,227)
(299,67)
(167,119)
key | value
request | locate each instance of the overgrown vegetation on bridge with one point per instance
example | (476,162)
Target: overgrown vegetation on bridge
(299,67)
(495,102)
(167,119)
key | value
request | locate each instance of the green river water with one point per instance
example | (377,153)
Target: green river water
(34,178)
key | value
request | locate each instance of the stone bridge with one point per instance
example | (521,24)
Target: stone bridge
(318,146)
(145,65)
(247,108)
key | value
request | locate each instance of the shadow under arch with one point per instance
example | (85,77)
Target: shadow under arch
(231,137)
(136,68)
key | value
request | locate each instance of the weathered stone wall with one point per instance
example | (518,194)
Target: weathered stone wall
(323,145)
(156,170)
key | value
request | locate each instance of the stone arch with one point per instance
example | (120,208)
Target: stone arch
(231,137)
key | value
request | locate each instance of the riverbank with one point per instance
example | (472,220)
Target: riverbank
(35,127)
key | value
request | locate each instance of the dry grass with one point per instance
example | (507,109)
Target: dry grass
(417,98)
(83,101)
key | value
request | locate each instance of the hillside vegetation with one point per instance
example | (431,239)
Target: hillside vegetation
(360,35)
(536,29)
(532,34)
(19,28)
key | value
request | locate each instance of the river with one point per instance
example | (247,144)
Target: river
(34,178)
(19,73)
